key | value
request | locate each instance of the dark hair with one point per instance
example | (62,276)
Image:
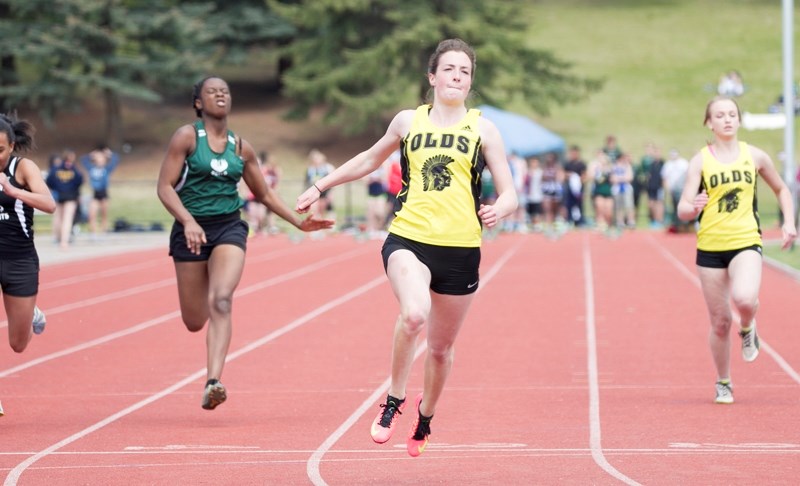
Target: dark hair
(19,132)
(197,90)
(448,45)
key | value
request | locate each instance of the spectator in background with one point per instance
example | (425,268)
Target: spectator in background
(376,202)
(519,170)
(319,167)
(553,189)
(99,165)
(394,182)
(575,175)
(533,193)
(611,148)
(599,173)
(641,172)
(622,189)
(655,190)
(65,181)
(272,176)
(260,219)
(674,176)
(488,192)
(731,84)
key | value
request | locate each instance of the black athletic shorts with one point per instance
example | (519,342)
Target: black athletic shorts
(19,277)
(101,194)
(229,229)
(721,259)
(454,270)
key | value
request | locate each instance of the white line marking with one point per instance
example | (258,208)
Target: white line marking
(51,311)
(112,272)
(172,315)
(312,466)
(595,443)
(782,363)
(14,475)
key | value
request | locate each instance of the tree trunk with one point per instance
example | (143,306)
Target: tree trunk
(114,133)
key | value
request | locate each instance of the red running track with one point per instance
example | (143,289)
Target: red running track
(583,361)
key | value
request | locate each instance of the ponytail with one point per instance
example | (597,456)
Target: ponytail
(18,132)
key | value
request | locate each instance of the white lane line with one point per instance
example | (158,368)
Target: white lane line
(14,475)
(312,466)
(595,442)
(772,352)
(51,311)
(166,317)
(113,272)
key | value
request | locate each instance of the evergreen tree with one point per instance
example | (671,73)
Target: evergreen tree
(362,59)
(56,54)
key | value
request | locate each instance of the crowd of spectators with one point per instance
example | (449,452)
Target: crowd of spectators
(607,192)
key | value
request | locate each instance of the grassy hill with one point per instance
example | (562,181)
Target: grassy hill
(661,61)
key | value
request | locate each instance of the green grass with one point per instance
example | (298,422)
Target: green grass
(789,257)
(661,61)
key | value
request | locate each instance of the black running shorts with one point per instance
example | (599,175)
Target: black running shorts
(454,270)
(228,229)
(721,259)
(20,276)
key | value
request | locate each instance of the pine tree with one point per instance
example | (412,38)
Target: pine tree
(362,59)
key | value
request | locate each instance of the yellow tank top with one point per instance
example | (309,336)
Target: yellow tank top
(441,169)
(730,219)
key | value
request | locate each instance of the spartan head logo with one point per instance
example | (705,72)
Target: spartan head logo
(729,202)
(435,174)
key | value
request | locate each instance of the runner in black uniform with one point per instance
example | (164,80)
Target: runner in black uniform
(22,190)
(198,185)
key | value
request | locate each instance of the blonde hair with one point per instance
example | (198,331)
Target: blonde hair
(720,98)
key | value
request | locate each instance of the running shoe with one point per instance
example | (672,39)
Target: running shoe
(724,392)
(750,344)
(39,320)
(213,395)
(1,410)
(420,430)
(385,422)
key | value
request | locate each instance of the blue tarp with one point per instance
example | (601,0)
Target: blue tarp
(522,135)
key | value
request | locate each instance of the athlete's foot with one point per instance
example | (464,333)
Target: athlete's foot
(213,395)
(420,430)
(384,424)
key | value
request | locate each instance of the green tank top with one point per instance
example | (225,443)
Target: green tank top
(208,183)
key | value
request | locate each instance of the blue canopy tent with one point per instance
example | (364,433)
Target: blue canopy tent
(521,135)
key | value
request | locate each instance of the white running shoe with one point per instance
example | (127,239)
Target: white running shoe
(724,393)
(213,395)
(750,344)
(39,320)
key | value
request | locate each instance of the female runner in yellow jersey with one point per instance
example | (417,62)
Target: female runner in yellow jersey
(432,253)
(720,192)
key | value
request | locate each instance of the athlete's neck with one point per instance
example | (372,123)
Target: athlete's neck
(443,115)
(216,126)
(725,150)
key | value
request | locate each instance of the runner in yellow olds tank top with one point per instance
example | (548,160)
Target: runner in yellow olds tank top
(432,253)
(720,192)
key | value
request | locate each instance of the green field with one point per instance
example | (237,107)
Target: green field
(660,62)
